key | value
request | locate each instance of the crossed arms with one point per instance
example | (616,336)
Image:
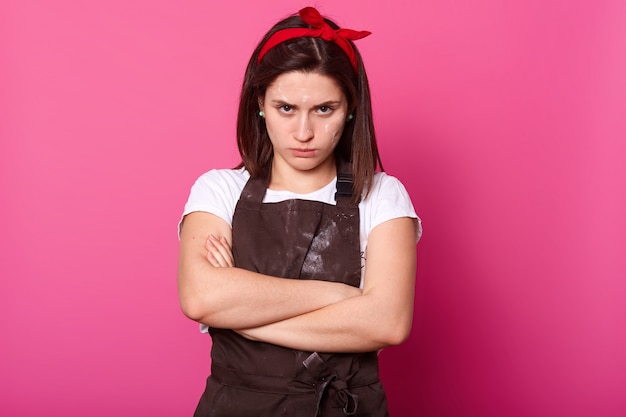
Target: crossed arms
(300,314)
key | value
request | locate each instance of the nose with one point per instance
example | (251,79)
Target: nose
(304,130)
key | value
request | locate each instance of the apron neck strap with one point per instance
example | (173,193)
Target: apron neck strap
(345,185)
(255,188)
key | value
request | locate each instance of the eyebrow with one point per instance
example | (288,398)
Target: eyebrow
(325,103)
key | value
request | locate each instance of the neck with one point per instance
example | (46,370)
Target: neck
(285,178)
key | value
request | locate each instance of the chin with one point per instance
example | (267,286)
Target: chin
(305,165)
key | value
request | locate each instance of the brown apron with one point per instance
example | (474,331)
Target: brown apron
(293,239)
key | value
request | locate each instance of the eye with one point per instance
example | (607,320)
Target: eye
(324,109)
(285,108)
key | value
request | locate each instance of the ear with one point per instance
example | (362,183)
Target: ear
(260,103)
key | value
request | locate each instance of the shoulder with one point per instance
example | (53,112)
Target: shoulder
(388,199)
(217,192)
(223,178)
(220,182)
(385,186)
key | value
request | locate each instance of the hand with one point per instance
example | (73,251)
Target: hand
(219,252)
(246,334)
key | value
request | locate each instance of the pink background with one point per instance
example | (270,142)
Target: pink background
(505,120)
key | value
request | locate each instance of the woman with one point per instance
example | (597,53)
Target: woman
(300,262)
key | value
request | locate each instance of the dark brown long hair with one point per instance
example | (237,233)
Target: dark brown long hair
(308,54)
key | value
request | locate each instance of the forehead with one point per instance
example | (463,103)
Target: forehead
(299,85)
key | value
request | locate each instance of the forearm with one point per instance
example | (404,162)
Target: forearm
(235,298)
(358,324)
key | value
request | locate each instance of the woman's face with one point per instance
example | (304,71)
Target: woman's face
(305,114)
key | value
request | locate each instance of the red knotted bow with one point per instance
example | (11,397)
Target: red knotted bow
(320,29)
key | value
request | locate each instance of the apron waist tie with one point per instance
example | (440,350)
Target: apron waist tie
(318,380)
(319,368)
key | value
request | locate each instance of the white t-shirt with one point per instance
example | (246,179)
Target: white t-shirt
(218,191)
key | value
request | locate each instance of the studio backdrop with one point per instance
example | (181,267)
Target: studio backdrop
(505,121)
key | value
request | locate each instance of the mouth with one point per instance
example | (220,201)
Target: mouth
(302,152)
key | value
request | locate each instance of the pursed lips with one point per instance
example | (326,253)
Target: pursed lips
(302,151)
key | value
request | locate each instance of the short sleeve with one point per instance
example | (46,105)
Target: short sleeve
(390,200)
(216,192)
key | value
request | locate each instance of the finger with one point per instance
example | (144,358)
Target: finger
(230,259)
(225,255)
(214,255)
(214,262)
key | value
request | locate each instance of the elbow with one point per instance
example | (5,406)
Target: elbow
(400,336)
(396,333)
(195,301)
(196,308)
(199,313)
(192,309)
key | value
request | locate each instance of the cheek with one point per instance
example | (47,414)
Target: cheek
(333,130)
(273,129)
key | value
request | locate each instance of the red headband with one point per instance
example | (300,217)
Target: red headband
(320,29)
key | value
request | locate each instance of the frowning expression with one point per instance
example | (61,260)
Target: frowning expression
(305,113)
